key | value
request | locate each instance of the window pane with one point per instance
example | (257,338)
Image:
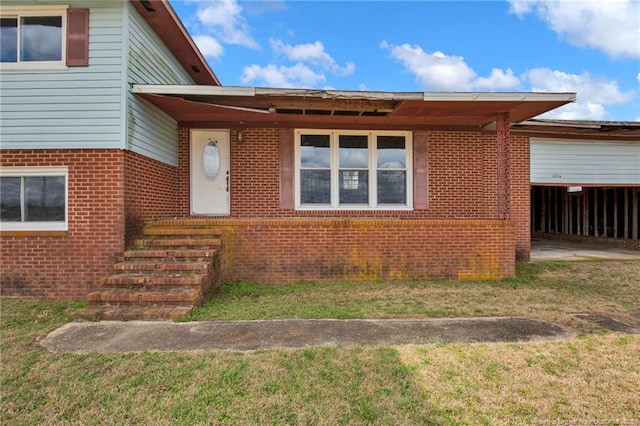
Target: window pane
(391,152)
(314,151)
(354,151)
(315,186)
(8,40)
(41,38)
(10,199)
(354,187)
(392,187)
(44,198)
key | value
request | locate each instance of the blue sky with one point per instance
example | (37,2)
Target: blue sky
(591,47)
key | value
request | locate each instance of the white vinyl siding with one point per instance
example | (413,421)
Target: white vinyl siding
(73,107)
(581,162)
(151,132)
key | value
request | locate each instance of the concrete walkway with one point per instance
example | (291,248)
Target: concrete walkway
(556,250)
(136,336)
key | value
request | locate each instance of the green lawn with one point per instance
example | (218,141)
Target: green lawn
(593,378)
(548,291)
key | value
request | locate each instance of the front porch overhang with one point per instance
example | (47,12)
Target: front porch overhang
(227,106)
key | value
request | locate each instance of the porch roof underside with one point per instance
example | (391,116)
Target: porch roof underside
(267,107)
(618,129)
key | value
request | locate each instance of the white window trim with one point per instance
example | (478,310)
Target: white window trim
(334,167)
(38,171)
(21,11)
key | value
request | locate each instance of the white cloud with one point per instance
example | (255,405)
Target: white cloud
(594,94)
(612,26)
(435,71)
(298,75)
(224,19)
(498,79)
(312,53)
(440,72)
(311,62)
(209,46)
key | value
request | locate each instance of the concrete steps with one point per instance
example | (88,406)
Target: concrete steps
(164,275)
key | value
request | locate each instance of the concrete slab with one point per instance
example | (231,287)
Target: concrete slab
(136,336)
(555,250)
(609,323)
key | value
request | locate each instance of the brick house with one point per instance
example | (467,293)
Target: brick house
(125,128)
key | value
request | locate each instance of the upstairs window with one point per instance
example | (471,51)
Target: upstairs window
(31,39)
(33,199)
(39,37)
(353,170)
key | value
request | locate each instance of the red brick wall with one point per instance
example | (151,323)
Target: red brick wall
(150,192)
(462,184)
(462,177)
(289,250)
(67,265)
(521,195)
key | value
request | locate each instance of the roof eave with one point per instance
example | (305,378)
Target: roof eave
(452,108)
(177,90)
(165,23)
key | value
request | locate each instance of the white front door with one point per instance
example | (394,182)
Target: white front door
(210,179)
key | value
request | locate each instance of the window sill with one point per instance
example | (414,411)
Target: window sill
(39,66)
(23,234)
(325,208)
(23,227)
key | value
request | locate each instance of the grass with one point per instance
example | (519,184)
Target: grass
(549,291)
(591,379)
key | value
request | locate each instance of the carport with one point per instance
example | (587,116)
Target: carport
(585,181)
(550,250)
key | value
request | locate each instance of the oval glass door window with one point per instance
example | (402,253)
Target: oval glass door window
(211,160)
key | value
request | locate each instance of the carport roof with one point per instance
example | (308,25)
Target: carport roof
(258,107)
(584,127)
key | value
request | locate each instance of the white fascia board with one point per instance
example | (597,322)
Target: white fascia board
(160,89)
(500,96)
(339,94)
(184,89)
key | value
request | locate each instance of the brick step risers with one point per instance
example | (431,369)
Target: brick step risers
(203,243)
(153,265)
(165,275)
(159,280)
(169,253)
(179,231)
(132,313)
(147,297)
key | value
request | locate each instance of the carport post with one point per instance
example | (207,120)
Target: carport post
(503,127)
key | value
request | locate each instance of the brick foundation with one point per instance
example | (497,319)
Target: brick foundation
(289,250)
